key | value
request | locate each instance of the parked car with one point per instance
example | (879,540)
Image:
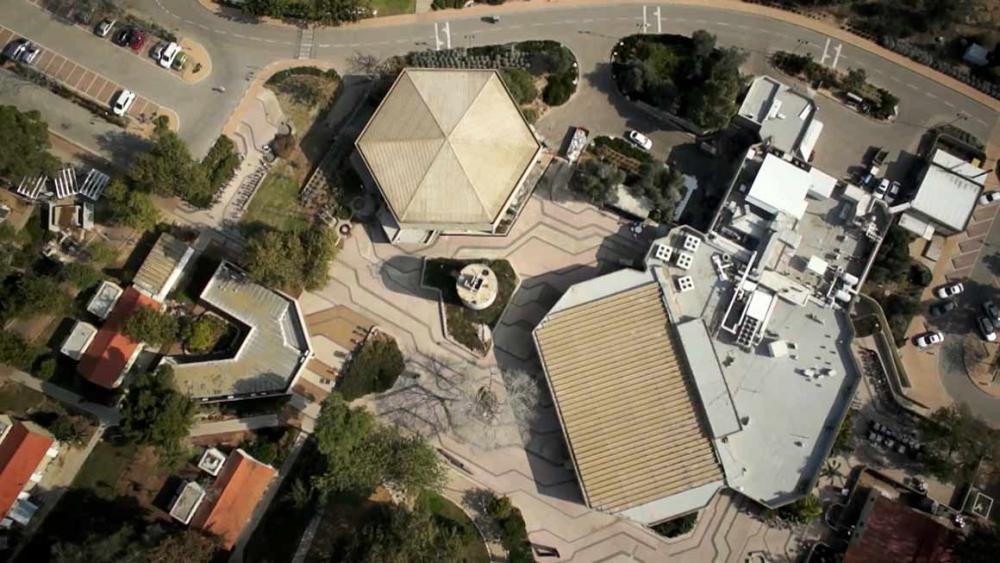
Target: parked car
(986,329)
(168,55)
(122,102)
(136,40)
(989,197)
(928,338)
(157,51)
(180,61)
(16,48)
(492,19)
(942,307)
(639,139)
(991,311)
(30,54)
(949,290)
(882,188)
(103,28)
(122,37)
(893,193)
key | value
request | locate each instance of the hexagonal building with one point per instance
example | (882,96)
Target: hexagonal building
(449,151)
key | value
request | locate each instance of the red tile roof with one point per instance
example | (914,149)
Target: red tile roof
(109,352)
(20,453)
(234,496)
(895,533)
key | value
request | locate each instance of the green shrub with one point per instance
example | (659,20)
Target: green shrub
(374,368)
(46,369)
(203,333)
(221,162)
(15,352)
(558,89)
(521,85)
(282,75)
(80,275)
(677,526)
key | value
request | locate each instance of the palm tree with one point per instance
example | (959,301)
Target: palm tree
(831,470)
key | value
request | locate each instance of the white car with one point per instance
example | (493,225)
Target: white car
(122,102)
(639,139)
(928,338)
(989,197)
(882,188)
(950,290)
(168,55)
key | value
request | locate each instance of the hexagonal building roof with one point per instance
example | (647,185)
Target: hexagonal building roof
(447,147)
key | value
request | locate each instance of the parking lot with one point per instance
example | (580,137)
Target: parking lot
(83,80)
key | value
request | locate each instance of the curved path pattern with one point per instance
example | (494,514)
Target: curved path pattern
(554,244)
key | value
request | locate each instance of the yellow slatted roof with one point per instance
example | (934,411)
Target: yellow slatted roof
(625,402)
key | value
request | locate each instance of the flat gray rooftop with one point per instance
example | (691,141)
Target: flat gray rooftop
(787,419)
(272,353)
(782,113)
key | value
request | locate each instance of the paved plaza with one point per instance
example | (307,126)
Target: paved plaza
(554,244)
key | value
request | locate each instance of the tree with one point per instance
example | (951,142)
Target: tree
(148,325)
(394,534)
(187,546)
(274,258)
(46,369)
(131,208)
(221,162)
(24,145)
(597,181)
(154,413)
(319,247)
(893,259)
(203,333)
(359,454)
(81,276)
(373,369)
(34,295)
(803,511)
(955,440)
(15,352)
(168,169)
(104,547)
(712,103)
(662,187)
(70,428)
(521,85)
(854,80)
(558,89)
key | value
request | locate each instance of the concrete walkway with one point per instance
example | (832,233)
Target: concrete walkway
(235,425)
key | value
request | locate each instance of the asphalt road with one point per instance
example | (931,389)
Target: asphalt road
(239,49)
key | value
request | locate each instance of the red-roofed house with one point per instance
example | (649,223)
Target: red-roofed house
(233,497)
(111,353)
(25,451)
(891,532)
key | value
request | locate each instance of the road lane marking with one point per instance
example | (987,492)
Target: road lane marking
(949,104)
(911,86)
(929,95)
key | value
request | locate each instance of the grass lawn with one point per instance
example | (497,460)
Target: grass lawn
(105,466)
(18,399)
(276,203)
(448,514)
(394,7)
(442,274)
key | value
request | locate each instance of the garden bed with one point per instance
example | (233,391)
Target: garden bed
(539,74)
(878,102)
(276,203)
(451,517)
(461,322)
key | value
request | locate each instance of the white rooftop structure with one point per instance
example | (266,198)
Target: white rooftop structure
(782,187)
(31,187)
(448,149)
(65,182)
(162,267)
(104,299)
(785,119)
(273,350)
(187,502)
(947,192)
(211,461)
(78,340)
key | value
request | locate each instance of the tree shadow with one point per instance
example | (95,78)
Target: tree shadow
(122,146)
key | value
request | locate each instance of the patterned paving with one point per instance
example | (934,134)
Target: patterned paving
(553,245)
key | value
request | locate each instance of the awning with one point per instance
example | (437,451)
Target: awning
(810,139)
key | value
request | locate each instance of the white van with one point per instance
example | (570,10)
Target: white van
(169,54)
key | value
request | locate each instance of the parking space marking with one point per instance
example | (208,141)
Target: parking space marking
(93,78)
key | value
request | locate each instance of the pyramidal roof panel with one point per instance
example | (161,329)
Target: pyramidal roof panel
(447,146)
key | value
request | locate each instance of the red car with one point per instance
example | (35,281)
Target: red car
(136,40)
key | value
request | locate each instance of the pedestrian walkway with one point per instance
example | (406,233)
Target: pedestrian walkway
(107,416)
(235,425)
